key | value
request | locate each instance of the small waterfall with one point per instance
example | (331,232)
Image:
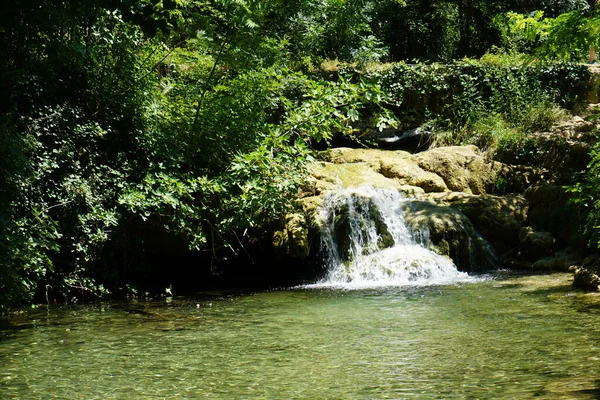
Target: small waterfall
(366,243)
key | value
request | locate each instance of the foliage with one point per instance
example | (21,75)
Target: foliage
(197,118)
(569,36)
(585,195)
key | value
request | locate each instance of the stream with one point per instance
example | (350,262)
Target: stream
(500,336)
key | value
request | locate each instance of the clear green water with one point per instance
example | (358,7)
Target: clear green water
(505,338)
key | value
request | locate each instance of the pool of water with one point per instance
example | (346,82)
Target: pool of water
(507,337)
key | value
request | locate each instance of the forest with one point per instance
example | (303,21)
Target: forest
(128,125)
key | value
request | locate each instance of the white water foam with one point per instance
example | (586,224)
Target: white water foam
(407,262)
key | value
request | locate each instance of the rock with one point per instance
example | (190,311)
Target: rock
(408,173)
(560,261)
(586,279)
(498,219)
(534,244)
(549,211)
(456,168)
(331,176)
(394,165)
(449,232)
(293,238)
(345,226)
(461,168)
(587,276)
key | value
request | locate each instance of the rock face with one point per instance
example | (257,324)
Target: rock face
(457,194)
(451,233)
(343,226)
(293,238)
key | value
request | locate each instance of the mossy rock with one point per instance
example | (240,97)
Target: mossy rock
(462,168)
(345,227)
(451,233)
(587,276)
(499,219)
(293,239)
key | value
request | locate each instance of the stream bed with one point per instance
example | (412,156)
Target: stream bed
(500,337)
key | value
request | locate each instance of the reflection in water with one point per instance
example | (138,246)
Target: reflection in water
(500,338)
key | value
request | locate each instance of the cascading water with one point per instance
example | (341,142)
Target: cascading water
(366,243)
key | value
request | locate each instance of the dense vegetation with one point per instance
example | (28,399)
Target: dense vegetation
(197,118)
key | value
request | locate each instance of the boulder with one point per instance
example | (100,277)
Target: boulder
(498,219)
(462,168)
(331,176)
(293,240)
(535,245)
(560,261)
(587,276)
(449,232)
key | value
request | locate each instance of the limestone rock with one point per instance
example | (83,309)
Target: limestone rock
(365,213)
(293,238)
(331,176)
(498,219)
(449,232)
(462,168)
(396,165)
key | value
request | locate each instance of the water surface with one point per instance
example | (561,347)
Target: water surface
(510,337)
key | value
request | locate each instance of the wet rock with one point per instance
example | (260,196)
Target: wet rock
(587,276)
(497,218)
(356,221)
(451,233)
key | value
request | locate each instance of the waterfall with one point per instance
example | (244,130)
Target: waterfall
(366,242)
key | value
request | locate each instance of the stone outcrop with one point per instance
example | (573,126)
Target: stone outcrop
(451,233)
(468,204)
(450,187)
(498,219)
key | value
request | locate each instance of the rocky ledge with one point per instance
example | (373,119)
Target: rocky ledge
(479,212)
